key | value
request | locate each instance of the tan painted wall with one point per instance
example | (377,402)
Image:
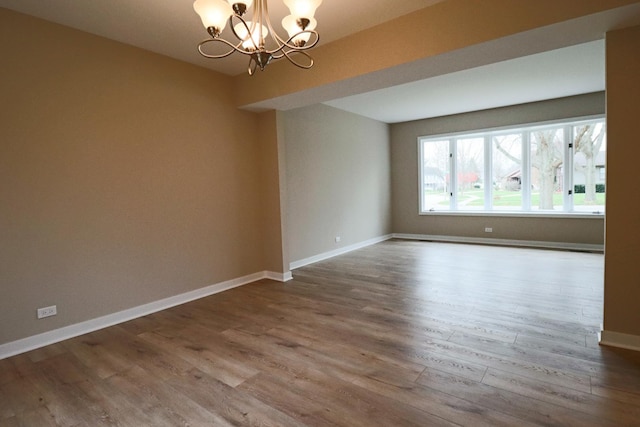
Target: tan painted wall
(338,179)
(404,167)
(622,247)
(125,177)
(272,192)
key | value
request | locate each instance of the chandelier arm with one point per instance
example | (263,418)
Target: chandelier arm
(223,55)
(249,34)
(282,44)
(272,32)
(253,66)
(315,42)
(289,54)
(233,27)
(263,15)
(234,48)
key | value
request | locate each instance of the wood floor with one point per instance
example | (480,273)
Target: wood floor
(397,334)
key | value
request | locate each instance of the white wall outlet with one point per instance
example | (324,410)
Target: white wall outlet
(338,239)
(488,230)
(47,311)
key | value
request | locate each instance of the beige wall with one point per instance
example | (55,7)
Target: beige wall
(338,179)
(273,193)
(125,177)
(622,247)
(404,167)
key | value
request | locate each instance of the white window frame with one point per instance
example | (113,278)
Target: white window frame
(527,210)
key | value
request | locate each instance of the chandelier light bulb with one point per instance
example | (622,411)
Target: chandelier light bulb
(253,42)
(293,27)
(213,13)
(303,8)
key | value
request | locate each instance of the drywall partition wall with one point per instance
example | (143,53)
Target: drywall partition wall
(338,179)
(622,246)
(404,167)
(273,194)
(125,177)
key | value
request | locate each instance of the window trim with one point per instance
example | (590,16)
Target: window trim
(487,134)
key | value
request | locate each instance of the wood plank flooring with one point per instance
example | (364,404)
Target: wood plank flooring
(400,333)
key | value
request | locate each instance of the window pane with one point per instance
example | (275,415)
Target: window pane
(590,152)
(547,148)
(435,175)
(506,169)
(470,173)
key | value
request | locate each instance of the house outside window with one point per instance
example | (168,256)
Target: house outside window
(544,169)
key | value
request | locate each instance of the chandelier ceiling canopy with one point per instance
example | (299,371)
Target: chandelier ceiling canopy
(254,34)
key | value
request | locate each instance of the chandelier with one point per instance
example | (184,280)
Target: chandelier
(255,36)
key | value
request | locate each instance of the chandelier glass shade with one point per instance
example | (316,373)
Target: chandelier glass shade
(254,34)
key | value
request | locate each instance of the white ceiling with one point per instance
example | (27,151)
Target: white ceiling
(172,28)
(562,72)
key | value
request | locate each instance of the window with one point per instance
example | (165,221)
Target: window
(506,172)
(435,174)
(470,173)
(590,149)
(557,168)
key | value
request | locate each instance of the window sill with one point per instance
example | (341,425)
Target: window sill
(515,214)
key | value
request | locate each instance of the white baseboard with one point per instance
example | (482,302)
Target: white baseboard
(503,242)
(619,340)
(279,277)
(343,250)
(36,341)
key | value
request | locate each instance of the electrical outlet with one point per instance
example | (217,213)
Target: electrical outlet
(338,239)
(47,311)
(488,230)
